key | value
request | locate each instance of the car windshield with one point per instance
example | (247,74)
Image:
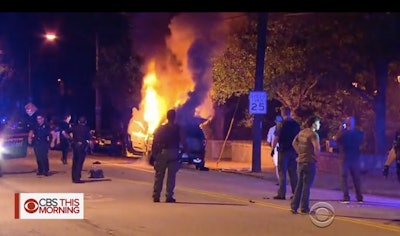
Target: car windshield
(13,125)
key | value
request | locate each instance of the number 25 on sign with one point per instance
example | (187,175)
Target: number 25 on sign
(258,102)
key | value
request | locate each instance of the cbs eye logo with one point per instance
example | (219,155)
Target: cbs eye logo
(31,205)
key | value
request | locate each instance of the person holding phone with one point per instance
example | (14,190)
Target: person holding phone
(349,139)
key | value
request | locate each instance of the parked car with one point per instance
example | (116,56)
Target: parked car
(13,138)
(108,142)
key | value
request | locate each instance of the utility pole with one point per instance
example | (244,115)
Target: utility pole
(29,76)
(257,122)
(97,89)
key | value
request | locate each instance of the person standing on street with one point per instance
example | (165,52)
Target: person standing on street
(81,138)
(349,139)
(65,136)
(284,135)
(270,139)
(41,137)
(165,149)
(306,143)
(393,156)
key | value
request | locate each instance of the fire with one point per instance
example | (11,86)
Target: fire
(178,70)
(153,105)
(159,93)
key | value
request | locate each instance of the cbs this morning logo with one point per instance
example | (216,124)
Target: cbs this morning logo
(322,214)
(49,205)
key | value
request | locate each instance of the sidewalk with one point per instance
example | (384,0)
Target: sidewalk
(373,183)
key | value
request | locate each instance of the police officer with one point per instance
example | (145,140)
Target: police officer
(81,137)
(41,143)
(64,137)
(284,135)
(165,150)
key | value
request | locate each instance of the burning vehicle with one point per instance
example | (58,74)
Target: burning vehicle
(178,52)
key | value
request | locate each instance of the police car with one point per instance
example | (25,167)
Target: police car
(13,138)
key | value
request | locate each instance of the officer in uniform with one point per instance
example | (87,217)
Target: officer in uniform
(41,143)
(81,137)
(64,137)
(165,149)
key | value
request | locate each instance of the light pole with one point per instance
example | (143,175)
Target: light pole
(97,89)
(50,37)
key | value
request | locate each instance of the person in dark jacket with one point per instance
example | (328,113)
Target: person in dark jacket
(65,130)
(81,138)
(284,135)
(349,139)
(41,143)
(165,149)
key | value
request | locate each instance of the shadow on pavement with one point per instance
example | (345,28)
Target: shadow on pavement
(212,203)
(95,180)
(18,172)
(397,221)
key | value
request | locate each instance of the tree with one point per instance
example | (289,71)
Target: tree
(314,65)
(119,75)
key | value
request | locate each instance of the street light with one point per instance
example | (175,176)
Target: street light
(50,37)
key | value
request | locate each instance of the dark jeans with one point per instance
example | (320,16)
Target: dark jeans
(78,158)
(352,167)
(64,153)
(287,164)
(166,161)
(306,172)
(42,159)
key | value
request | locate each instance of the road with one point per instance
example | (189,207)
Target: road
(208,203)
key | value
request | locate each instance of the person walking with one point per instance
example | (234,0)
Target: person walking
(65,129)
(284,135)
(165,150)
(349,139)
(306,143)
(41,137)
(81,138)
(270,139)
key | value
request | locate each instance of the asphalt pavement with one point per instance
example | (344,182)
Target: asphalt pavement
(373,182)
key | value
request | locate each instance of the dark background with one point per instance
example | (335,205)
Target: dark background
(70,58)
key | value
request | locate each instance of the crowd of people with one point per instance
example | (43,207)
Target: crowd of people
(42,138)
(299,151)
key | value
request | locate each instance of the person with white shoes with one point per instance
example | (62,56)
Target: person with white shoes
(270,139)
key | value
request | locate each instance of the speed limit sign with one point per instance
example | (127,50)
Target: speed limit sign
(258,102)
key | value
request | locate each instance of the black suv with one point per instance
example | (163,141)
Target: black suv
(196,148)
(196,145)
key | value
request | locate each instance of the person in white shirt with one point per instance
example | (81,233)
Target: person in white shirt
(270,138)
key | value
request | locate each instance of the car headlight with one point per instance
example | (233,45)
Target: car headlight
(2,150)
(197,160)
(184,155)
